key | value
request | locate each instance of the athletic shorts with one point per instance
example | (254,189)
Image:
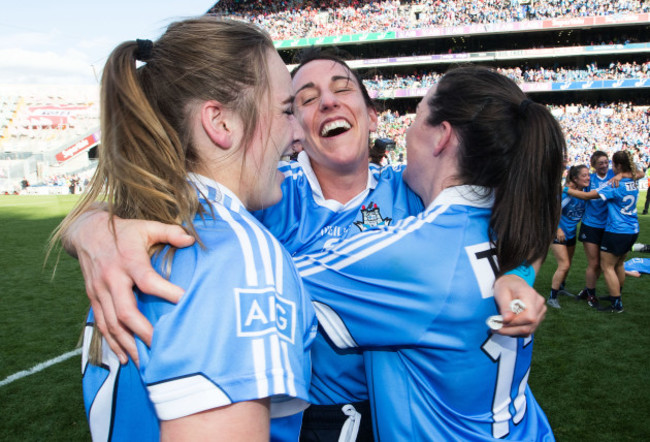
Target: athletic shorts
(330,422)
(591,234)
(618,244)
(567,242)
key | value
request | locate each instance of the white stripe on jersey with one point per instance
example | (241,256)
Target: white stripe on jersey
(279,268)
(102,406)
(520,401)
(335,327)
(309,266)
(259,362)
(276,366)
(180,397)
(291,379)
(264,251)
(244,241)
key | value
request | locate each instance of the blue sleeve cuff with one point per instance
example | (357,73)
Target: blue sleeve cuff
(525,272)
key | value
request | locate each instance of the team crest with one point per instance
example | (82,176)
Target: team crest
(371,217)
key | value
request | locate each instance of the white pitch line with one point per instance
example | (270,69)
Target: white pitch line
(38,367)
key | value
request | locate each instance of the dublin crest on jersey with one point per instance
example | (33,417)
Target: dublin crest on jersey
(371,217)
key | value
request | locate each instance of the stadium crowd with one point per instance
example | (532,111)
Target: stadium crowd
(525,74)
(609,127)
(294,19)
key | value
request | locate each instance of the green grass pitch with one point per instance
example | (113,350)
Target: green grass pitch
(589,373)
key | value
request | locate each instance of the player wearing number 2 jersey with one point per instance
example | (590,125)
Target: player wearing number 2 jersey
(621,230)
(415,295)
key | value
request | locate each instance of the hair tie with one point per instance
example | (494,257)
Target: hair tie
(143,53)
(524,105)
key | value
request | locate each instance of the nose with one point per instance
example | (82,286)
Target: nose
(297,132)
(328,100)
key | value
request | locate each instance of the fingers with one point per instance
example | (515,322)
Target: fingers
(112,269)
(159,233)
(509,287)
(135,239)
(525,323)
(151,282)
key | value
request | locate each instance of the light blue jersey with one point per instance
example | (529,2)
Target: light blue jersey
(415,296)
(641,265)
(596,210)
(572,211)
(621,207)
(304,221)
(241,332)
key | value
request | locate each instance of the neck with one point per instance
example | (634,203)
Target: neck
(341,186)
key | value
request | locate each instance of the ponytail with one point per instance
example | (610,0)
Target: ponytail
(512,146)
(526,207)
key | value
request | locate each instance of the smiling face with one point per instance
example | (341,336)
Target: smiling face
(330,107)
(583,178)
(274,137)
(601,164)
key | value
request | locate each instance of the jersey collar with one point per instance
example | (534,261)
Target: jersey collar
(303,160)
(214,192)
(466,195)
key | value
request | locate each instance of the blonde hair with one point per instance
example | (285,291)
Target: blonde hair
(146,146)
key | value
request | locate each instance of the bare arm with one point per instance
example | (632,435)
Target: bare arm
(591,195)
(509,287)
(112,265)
(243,421)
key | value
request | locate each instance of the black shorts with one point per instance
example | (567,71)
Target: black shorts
(618,244)
(591,234)
(322,423)
(566,242)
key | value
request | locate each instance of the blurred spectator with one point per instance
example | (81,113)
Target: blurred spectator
(296,19)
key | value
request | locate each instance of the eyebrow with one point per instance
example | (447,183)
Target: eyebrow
(334,78)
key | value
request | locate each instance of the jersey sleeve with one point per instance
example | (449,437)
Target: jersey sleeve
(607,192)
(235,336)
(381,287)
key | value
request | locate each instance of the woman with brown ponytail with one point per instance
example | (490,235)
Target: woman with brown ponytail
(192,138)
(414,296)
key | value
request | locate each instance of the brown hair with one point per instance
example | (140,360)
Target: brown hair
(512,146)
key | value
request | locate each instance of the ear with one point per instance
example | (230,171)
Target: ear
(374,118)
(217,124)
(445,139)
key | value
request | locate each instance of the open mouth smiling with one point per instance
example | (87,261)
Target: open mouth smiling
(334,128)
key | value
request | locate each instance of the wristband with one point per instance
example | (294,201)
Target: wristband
(525,272)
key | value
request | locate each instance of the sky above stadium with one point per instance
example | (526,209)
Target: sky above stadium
(68,41)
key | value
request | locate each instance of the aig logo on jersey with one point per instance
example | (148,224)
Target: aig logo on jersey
(262,311)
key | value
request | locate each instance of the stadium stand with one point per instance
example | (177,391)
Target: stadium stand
(43,129)
(586,59)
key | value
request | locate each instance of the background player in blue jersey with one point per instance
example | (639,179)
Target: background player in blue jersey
(415,295)
(594,221)
(331,192)
(564,244)
(192,138)
(621,230)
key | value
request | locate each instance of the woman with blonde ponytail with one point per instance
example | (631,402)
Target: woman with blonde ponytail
(192,138)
